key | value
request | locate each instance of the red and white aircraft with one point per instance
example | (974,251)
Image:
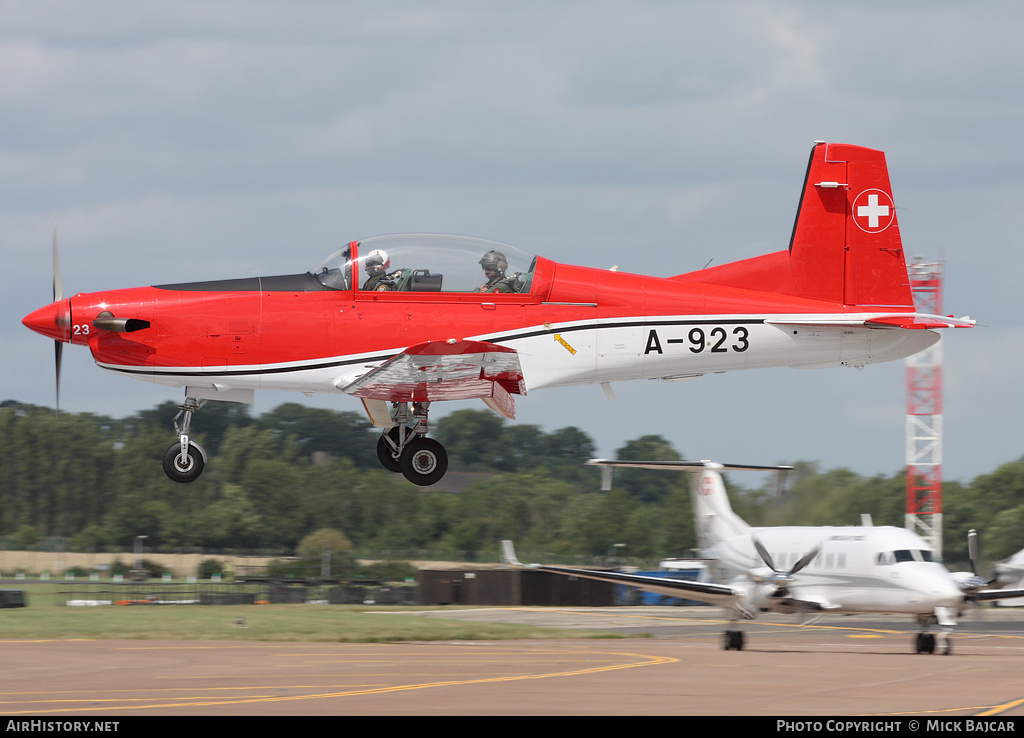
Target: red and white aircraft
(429,330)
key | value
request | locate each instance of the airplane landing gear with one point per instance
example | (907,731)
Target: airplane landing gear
(424,461)
(185,467)
(405,448)
(184,461)
(389,447)
(733,640)
(926,643)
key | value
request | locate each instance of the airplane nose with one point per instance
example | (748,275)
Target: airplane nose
(946,594)
(52,321)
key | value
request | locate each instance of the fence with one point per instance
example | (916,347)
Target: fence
(86,594)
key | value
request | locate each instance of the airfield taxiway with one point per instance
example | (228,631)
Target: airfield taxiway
(839,667)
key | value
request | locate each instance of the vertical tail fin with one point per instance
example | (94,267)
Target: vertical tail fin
(845,247)
(714,518)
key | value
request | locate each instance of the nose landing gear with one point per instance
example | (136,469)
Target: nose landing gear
(184,461)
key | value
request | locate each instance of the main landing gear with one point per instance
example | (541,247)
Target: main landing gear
(184,460)
(405,447)
(733,640)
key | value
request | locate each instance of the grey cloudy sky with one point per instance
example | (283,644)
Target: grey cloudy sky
(201,140)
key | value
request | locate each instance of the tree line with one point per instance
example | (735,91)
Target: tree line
(94,483)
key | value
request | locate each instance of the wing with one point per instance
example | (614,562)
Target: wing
(715,594)
(446,370)
(987,595)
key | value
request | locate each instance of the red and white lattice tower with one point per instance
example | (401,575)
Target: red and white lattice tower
(924,415)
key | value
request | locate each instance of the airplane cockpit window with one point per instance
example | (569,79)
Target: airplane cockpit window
(428,263)
(887,558)
(335,271)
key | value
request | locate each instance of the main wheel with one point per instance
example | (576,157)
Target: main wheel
(180,469)
(925,643)
(733,640)
(386,445)
(424,461)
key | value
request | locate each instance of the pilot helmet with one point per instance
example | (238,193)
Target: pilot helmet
(377,262)
(494,262)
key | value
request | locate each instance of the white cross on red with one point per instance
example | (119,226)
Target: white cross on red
(873,211)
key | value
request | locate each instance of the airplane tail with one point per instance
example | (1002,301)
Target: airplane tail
(845,247)
(714,518)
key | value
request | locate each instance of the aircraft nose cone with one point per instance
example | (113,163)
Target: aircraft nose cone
(52,321)
(946,594)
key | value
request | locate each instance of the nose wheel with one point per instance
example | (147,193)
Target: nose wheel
(930,643)
(185,467)
(184,461)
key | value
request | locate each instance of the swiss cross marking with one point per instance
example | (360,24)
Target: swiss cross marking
(873,211)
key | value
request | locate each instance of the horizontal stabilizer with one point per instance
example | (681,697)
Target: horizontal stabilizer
(913,321)
(920,322)
(690,466)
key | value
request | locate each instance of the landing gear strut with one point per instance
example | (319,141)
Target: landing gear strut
(184,460)
(405,447)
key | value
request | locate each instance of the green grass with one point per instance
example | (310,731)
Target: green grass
(323,623)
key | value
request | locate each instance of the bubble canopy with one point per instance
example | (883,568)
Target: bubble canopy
(425,262)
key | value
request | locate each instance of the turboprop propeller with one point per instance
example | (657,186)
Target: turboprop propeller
(60,320)
(780,579)
(972,582)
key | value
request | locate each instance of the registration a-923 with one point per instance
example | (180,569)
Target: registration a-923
(715,340)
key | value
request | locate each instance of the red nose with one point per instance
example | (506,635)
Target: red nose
(53,321)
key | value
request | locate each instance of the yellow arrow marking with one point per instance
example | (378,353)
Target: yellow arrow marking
(570,349)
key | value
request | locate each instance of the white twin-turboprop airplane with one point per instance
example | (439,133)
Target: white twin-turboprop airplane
(805,570)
